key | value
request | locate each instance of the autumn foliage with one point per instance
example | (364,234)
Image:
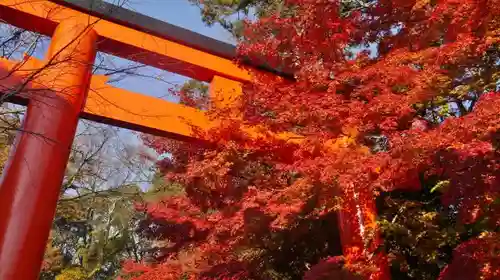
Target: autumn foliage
(391,96)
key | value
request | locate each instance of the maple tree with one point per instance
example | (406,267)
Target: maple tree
(392,97)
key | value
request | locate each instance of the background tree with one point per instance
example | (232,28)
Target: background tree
(417,111)
(94,226)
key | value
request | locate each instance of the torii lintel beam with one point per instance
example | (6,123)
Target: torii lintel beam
(108,104)
(193,55)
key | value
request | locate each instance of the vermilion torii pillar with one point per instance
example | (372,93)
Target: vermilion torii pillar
(31,183)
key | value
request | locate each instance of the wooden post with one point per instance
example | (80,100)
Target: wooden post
(359,232)
(225,94)
(30,185)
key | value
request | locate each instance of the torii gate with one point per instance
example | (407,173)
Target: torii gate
(66,90)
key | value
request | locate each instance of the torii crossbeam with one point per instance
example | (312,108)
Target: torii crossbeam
(61,89)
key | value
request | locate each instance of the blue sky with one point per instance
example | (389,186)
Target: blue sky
(177,12)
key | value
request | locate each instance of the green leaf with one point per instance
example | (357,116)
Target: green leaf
(441,186)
